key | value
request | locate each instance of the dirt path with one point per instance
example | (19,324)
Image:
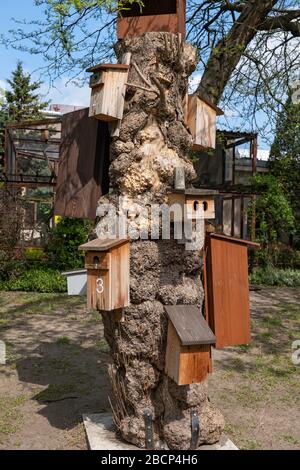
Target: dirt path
(57,363)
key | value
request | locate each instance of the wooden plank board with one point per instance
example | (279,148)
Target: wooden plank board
(202,123)
(100,244)
(228,291)
(190,325)
(120,276)
(107,100)
(156,16)
(234,240)
(195,364)
(172,354)
(83,165)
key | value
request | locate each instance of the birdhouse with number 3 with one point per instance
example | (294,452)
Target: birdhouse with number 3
(107,264)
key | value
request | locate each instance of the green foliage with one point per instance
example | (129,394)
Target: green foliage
(22,101)
(36,280)
(68,235)
(10,267)
(285,155)
(64,8)
(34,254)
(276,277)
(274,215)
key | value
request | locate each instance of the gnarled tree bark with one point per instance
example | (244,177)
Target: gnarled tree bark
(228,52)
(153,141)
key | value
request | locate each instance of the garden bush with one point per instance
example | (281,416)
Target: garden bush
(276,277)
(62,250)
(36,280)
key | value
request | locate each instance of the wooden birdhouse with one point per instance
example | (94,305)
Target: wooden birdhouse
(227,289)
(189,341)
(201,120)
(108,84)
(154,16)
(107,264)
(194,204)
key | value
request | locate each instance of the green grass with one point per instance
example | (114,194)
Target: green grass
(10,415)
(36,280)
(103,346)
(63,340)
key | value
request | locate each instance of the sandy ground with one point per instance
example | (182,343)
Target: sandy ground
(57,362)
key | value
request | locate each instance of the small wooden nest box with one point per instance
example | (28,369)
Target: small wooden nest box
(202,116)
(108,84)
(192,204)
(107,264)
(154,16)
(188,354)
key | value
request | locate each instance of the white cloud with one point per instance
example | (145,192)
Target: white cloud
(194,81)
(66,92)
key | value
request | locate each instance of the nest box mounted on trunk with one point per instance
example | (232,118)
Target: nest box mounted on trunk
(194,204)
(154,16)
(201,120)
(188,354)
(227,289)
(107,264)
(108,84)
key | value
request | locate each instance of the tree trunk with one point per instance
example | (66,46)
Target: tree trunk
(228,52)
(153,141)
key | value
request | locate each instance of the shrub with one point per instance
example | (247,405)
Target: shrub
(36,280)
(276,277)
(34,254)
(62,249)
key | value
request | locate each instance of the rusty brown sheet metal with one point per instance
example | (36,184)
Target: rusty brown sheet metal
(83,165)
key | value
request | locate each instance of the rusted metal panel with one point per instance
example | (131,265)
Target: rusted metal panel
(155,16)
(227,289)
(190,325)
(83,166)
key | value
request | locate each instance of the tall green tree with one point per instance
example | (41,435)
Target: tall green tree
(23,101)
(285,155)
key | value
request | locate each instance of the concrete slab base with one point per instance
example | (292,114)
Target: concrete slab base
(101,435)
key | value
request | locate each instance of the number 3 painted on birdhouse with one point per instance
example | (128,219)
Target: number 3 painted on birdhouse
(100,285)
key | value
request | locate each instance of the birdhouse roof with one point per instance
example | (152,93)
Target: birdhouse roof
(98,67)
(190,325)
(196,192)
(103,245)
(240,241)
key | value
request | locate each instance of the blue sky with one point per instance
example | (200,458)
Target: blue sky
(26,9)
(64,92)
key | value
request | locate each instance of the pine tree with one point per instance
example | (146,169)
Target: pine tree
(23,100)
(21,103)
